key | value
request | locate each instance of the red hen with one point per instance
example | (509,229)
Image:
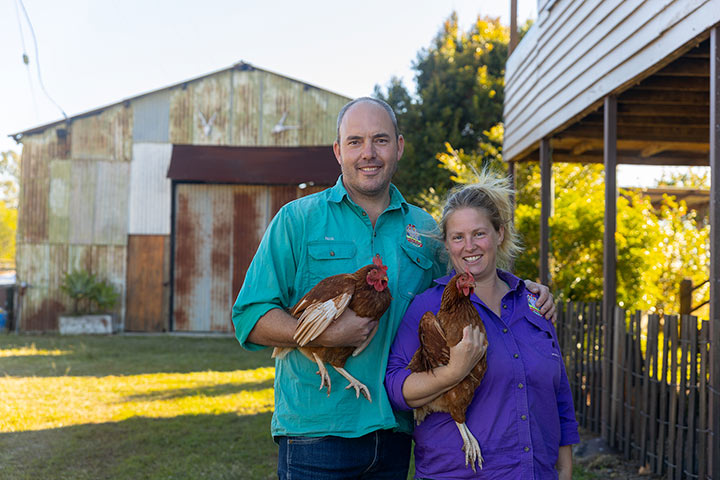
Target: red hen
(365,292)
(438,333)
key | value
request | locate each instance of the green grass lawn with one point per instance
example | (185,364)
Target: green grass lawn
(136,407)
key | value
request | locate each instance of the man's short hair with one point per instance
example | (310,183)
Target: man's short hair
(376,101)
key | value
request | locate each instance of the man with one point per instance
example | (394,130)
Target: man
(338,231)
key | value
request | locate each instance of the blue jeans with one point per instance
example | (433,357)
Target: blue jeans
(382,454)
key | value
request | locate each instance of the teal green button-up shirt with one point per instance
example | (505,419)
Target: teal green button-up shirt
(313,238)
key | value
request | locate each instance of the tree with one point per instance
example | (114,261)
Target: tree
(9,178)
(459,95)
(9,190)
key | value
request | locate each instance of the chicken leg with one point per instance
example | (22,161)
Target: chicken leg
(322,371)
(354,383)
(470,447)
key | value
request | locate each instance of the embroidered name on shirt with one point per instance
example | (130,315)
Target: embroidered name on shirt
(531,303)
(412,235)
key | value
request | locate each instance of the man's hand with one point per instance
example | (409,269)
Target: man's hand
(545,302)
(348,330)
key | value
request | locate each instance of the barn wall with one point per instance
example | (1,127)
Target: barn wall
(95,192)
(73,210)
(578,52)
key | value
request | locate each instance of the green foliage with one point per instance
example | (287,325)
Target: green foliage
(9,178)
(459,96)
(89,295)
(655,250)
(9,181)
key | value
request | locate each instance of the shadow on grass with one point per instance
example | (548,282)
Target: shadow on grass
(123,355)
(220,447)
(206,391)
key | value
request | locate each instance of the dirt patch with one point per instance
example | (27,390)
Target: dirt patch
(593,456)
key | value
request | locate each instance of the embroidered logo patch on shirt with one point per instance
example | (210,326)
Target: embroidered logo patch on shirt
(531,303)
(412,235)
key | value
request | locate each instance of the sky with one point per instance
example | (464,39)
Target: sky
(93,53)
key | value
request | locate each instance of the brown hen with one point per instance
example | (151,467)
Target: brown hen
(365,292)
(438,333)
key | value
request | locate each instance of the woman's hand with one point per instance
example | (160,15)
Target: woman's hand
(421,388)
(466,354)
(564,463)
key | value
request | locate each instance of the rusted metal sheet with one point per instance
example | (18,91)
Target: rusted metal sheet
(149,208)
(318,116)
(42,266)
(181,113)
(281,111)
(217,231)
(151,117)
(207,250)
(254,165)
(211,109)
(106,135)
(200,111)
(82,201)
(111,204)
(59,201)
(246,107)
(33,202)
(147,283)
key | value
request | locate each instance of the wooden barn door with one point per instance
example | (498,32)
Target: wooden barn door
(148,286)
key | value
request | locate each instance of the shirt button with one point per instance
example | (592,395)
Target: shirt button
(332,254)
(523,417)
(364,214)
(520,385)
(504,305)
(527,449)
(516,356)
(504,330)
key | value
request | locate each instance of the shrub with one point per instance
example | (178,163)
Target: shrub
(89,295)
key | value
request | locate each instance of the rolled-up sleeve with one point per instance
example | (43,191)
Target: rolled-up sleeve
(403,348)
(270,278)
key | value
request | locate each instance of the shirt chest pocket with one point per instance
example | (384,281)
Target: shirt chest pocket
(542,338)
(414,272)
(327,258)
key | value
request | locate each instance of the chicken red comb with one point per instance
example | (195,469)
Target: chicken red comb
(377,261)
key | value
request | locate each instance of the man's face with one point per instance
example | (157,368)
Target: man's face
(368,152)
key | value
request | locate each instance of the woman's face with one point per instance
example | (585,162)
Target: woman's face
(472,242)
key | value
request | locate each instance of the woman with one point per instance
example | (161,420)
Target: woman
(522,413)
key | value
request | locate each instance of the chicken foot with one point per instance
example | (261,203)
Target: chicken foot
(354,383)
(324,375)
(470,447)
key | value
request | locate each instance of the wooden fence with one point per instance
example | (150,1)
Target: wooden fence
(643,383)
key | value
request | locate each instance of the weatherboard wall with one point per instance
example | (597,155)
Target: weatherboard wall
(578,52)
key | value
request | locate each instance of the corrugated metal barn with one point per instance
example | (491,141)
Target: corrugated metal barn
(167,194)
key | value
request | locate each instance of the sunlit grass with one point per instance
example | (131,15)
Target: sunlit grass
(36,403)
(31,350)
(128,407)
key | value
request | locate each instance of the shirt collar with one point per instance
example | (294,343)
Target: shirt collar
(339,192)
(516,285)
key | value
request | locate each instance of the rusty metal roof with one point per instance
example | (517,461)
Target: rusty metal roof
(254,165)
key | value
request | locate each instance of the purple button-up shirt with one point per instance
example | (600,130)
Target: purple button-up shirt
(522,411)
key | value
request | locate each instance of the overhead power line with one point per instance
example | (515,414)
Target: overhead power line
(37,57)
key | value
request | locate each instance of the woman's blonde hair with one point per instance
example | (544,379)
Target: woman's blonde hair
(494,195)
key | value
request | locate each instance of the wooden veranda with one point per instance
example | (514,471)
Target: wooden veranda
(618,82)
